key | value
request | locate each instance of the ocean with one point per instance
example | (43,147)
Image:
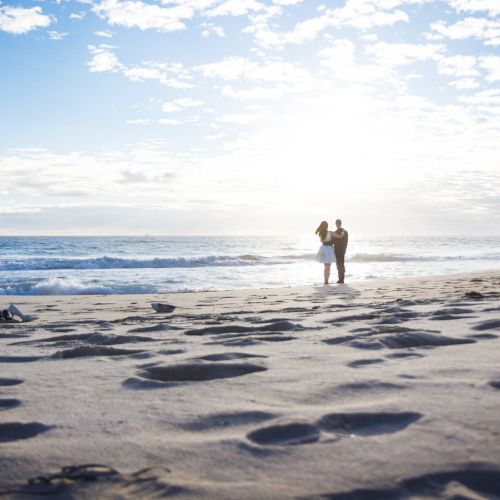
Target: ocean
(152,264)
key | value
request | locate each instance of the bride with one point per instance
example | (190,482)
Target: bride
(325,254)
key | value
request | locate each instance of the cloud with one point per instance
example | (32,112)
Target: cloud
(104,34)
(78,15)
(180,104)
(471,27)
(484,98)
(235,68)
(492,66)
(104,59)
(360,14)
(211,29)
(458,66)
(169,75)
(140,177)
(37,175)
(465,83)
(236,8)
(137,14)
(18,20)
(57,35)
(399,54)
(139,121)
(491,6)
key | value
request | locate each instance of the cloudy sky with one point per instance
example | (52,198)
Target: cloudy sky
(249,116)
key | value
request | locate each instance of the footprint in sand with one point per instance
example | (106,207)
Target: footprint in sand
(19,359)
(146,329)
(197,372)
(229,356)
(483,336)
(233,419)
(491,324)
(469,482)
(14,431)
(367,424)
(369,386)
(86,351)
(405,355)
(278,326)
(10,381)
(7,404)
(409,339)
(293,433)
(100,481)
(364,362)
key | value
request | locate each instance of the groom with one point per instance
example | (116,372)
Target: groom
(340,246)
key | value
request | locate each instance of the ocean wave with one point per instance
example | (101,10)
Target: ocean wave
(74,286)
(43,264)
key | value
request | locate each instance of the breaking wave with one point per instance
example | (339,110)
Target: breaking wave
(74,286)
(44,264)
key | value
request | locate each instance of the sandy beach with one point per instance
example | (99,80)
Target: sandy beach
(376,389)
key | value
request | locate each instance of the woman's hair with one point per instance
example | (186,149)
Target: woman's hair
(322,230)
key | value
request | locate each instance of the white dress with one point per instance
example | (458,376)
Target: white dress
(325,253)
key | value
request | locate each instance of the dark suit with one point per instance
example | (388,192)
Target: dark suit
(340,247)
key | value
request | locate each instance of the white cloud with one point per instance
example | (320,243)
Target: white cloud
(234,68)
(180,104)
(138,14)
(287,2)
(458,66)
(139,121)
(398,54)
(491,6)
(104,34)
(170,107)
(338,55)
(211,29)
(465,83)
(57,35)
(492,66)
(188,102)
(360,14)
(18,20)
(483,98)
(236,8)
(103,59)
(471,27)
(163,73)
(78,15)
(230,68)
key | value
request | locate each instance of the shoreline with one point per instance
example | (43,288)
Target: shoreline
(270,393)
(333,288)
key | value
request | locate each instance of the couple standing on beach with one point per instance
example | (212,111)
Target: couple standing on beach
(333,248)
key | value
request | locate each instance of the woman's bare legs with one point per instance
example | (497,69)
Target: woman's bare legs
(327,273)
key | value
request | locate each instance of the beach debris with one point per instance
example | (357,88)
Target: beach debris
(474,295)
(97,481)
(162,308)
(12,310)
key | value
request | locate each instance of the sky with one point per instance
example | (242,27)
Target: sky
(249,116)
